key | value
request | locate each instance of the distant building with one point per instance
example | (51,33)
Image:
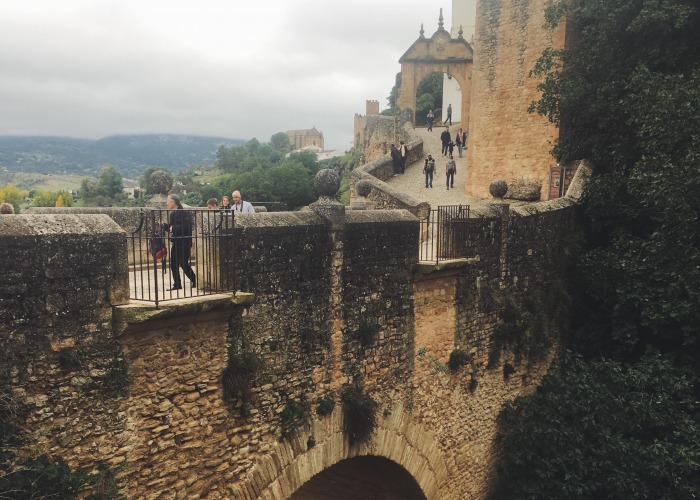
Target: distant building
(306,137)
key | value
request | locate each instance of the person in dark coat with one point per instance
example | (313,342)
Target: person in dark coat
(396,159)
(403,154)
(179,226)
(445,138)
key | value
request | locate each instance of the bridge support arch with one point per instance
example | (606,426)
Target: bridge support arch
(437,54)
(290,464)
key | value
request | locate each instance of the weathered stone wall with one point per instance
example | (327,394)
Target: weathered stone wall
(505,141)
(339,299)
(374,135)
(62,366)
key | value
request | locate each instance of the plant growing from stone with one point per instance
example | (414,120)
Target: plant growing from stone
(360,413)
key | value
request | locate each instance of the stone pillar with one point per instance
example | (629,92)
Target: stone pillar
(327,184)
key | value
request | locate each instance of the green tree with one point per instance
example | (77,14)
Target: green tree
(159,182)
(13,195)
(50,199)
(88,189)
(143,178)
(603,430)
(110,182)
(623,424)
(429,96)
(280,142)
(627,96)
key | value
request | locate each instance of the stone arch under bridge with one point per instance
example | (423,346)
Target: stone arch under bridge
(291,464)
(438,54)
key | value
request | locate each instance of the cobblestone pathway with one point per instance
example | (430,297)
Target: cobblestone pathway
(413,180)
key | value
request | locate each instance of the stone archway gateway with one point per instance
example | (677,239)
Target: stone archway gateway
(437,54)
(398,439)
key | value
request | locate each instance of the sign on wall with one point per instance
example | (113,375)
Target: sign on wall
(556,181)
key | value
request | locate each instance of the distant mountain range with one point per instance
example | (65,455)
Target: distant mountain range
(131,154)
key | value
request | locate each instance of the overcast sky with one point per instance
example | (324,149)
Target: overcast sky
(235,69)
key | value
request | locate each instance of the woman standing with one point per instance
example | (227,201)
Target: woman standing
(180,227)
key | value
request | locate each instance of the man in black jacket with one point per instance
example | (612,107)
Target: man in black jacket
(445,138)
(180,227)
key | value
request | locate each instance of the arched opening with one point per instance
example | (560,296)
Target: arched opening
(366,477)
(429,97)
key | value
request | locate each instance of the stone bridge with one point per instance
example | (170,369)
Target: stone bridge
(342,362)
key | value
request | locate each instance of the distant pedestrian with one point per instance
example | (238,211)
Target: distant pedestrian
(429,169)
(450,171)
(449,115)
(445,138)
(396,159)
(450,148)
(458,141)
(7,209)
(465,136)
(431,119)
(239,205)
(403,149)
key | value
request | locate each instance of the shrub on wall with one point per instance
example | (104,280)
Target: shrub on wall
(294,416)
(326,404)
(360,412)
(237,378)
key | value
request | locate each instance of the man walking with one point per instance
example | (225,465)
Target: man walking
(240,205)
(445,138)
(450,171)
(428,169)
(431,119)
(449,115)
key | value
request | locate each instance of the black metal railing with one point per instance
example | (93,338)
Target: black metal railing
(443,233)
(175,254)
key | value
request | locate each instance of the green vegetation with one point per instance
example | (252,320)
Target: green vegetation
(296,414)
(360,412)
(325,404)
(429,96)
(42,478)
(12,195)
(621,419)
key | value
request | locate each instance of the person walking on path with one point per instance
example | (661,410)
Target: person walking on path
(396,159)
(179,226)
(240,205)
(458,141)
(445,138)
(431,119)
(428,169)
(403,150)
(450,171)
(449,115)
(450,148)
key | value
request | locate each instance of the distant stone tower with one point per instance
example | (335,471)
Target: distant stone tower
(372,108)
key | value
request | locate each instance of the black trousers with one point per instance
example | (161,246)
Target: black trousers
(180,258)
(445,147)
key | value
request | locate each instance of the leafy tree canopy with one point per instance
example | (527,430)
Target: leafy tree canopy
(11,194)
(50,199)
(627,96)
(603,430)
(110,182)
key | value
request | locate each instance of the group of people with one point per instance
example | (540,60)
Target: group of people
(399,155)
(179,227)
(448,144)
(238,204)
(450,171)
(431,118)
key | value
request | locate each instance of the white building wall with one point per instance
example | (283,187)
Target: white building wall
(464,15)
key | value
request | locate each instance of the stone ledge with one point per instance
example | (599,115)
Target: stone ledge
(138,313)
(422,268)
